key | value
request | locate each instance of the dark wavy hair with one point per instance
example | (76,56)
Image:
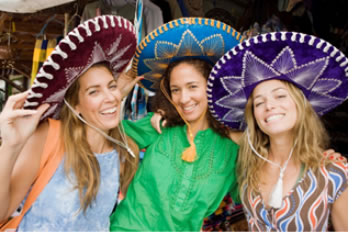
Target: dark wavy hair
(159,101)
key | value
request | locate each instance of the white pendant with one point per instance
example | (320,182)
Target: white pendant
(276,194)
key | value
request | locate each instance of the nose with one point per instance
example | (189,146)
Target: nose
(109,95)
(269,104)
(184,97)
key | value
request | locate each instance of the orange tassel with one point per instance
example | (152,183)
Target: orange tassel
(189,154)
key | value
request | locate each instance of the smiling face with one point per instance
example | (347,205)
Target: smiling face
(274,108)
(188,92)
(99,98)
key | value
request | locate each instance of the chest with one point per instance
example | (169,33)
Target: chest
(270,175)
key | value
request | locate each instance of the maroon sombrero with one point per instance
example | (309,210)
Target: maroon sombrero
(106,38)
(315,66)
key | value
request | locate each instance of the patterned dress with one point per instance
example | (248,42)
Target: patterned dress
(306,207)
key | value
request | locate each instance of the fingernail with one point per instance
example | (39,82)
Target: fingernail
(324,153)
(331,157)
(341,158)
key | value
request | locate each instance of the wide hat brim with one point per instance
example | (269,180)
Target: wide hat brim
(319,69)
(106,38)
(202,38)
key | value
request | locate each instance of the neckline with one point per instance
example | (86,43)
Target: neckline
(105,153)
(289,193)
(185,128)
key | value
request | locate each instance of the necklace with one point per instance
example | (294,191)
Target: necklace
(275,200)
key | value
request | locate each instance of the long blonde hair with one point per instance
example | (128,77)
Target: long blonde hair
(81,160)
(310,136)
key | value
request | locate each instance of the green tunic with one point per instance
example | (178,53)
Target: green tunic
(169,194)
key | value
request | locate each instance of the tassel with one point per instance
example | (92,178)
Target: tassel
(276,195)
(189,154)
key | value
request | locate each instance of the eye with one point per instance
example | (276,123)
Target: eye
(193,86)
(258,104)
(281,96)
(113,86)
(93,92)
(174,90)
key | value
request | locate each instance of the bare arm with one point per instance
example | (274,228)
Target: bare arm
(19,144)
(340,212)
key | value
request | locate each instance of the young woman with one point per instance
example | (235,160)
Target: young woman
(273,86)
(168,193)
(172,191)
(91,158)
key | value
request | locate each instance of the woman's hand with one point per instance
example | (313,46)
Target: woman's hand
(155,121)
(126,82)
(17,124)
(331,155)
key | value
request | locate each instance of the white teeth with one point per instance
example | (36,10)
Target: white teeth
(189,108)
(274,117)
(109,111)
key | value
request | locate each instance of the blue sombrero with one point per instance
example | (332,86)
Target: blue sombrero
(202,38)
(319,69)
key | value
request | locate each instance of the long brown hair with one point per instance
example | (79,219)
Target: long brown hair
(81,160)
(172,117)
(310,136)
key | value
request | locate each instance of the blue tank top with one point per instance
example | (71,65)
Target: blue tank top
(57,207)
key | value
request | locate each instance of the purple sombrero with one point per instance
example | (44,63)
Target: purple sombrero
(319,69)
(104,38)
(202,38)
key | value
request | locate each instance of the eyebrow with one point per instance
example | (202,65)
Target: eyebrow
(96,86)
(189,83)
(278,88)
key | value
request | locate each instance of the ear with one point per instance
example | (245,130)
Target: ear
(78,109)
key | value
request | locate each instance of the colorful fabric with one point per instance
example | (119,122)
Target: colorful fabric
(316,67)
(38,57)
(306,208)
(138,103)
(226,217)
(57,207)
(169,194)
(107,38)
(42,50)
(202,38)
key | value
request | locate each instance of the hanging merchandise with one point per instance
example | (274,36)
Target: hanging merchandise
(43,48)
(39,56)
(135,105)
(152,14)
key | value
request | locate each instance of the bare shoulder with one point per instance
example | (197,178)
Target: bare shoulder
(235,135)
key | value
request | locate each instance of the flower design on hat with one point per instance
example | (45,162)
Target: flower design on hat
(212,47)
(283,66)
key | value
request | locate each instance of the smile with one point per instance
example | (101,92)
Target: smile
(109,111)
(274,117)
(189,108)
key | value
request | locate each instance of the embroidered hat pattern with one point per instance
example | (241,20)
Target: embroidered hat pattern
(319,69)
(106,38)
